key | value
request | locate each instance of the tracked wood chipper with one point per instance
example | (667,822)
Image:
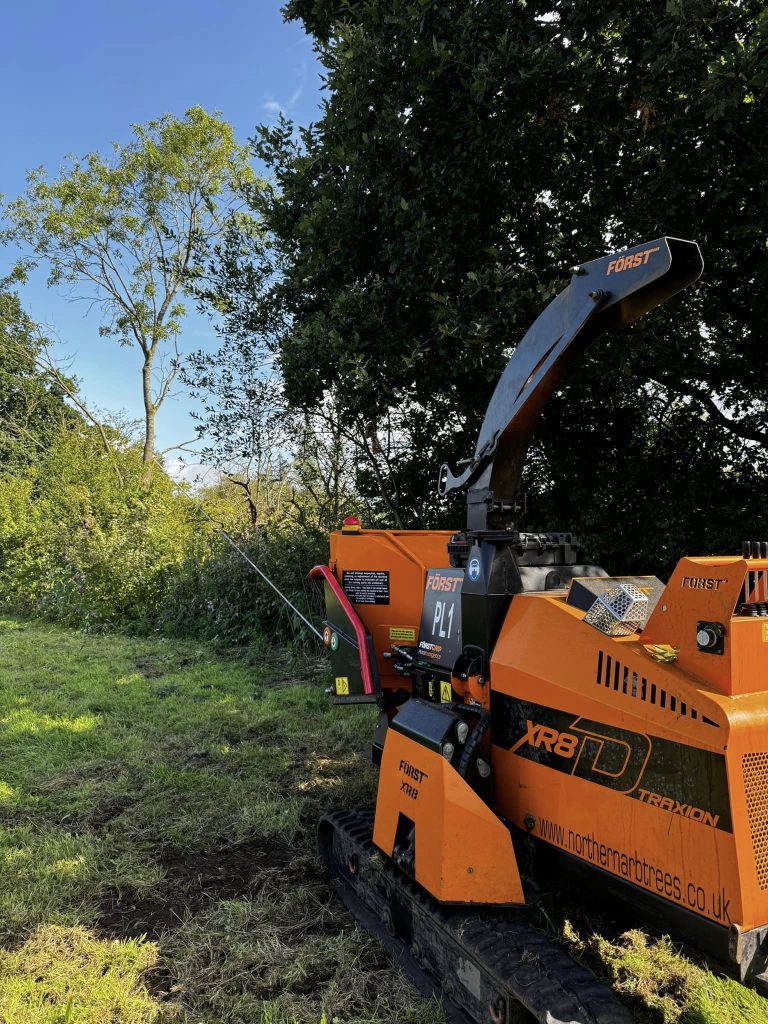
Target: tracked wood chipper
(537,713)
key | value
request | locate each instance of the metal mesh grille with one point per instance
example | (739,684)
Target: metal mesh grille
(755,768)
(619,611)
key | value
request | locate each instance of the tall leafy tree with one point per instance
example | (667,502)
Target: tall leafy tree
(133,231)
(467,154)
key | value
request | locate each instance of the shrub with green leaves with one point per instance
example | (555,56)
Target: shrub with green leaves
(87,540)
(218,596)
(84,539)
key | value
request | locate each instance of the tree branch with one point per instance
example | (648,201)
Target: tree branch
(736,427)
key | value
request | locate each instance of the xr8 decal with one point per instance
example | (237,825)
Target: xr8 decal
(611,757)
(677,778)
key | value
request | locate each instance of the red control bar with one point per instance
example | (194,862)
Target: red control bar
(323,572)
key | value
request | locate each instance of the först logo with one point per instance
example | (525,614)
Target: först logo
(445,584)
(611,757)
(631,261)
(701,582)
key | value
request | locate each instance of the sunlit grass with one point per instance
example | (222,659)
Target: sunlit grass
(662,985)
(65,976)
(47,876)
(119,757)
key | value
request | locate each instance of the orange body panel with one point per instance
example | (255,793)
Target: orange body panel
(405,555)
(609,800)
(711,589)
(464,853)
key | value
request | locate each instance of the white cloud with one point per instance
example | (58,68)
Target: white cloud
(276,107)
(194,473)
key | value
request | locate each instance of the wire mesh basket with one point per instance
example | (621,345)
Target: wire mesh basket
(620,611)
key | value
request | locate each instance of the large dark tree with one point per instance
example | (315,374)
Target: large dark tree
(467,154)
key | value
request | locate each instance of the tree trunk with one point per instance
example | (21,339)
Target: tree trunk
(149,411)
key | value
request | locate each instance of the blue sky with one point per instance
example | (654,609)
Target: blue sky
(75,76)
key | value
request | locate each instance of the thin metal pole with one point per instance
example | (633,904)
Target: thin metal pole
(266,578)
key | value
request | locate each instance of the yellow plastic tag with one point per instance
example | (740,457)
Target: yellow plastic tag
(431,688)
(342,686)
(402,633)
(765,632)
(446,694)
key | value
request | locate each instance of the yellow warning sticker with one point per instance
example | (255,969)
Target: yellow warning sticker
(342,686)
(765,632)
(446,695)
(402,633)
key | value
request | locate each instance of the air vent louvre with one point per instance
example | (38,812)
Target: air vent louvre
(612,675)
(755,769)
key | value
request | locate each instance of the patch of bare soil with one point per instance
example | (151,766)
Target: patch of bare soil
(194,881)
(149,668)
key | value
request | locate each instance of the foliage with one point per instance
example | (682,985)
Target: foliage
(303,465)
(466,155)
(133,232)
(83,540)
(216,595)
(32,408)
(243,426)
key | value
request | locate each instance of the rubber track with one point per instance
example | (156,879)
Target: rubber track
(471,958)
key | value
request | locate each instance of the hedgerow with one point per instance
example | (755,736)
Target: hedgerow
(89,538)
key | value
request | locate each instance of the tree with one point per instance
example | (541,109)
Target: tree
(245,429)
(285,465)
(133,232)
(466,156)
(33,409)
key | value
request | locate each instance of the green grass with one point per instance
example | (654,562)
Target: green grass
(66,976)
(157,811)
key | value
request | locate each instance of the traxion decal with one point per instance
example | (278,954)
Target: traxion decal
(677,778)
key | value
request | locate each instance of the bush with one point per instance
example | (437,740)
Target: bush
(220,597)
(86,540)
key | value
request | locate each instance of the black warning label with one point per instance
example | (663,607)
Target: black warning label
(363,587)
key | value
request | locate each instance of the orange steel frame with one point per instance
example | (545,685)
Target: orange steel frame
(464,853)
(406,555)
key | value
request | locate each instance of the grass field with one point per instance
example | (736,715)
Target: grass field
(157,810)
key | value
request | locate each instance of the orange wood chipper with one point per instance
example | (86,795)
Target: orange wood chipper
(537,714)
